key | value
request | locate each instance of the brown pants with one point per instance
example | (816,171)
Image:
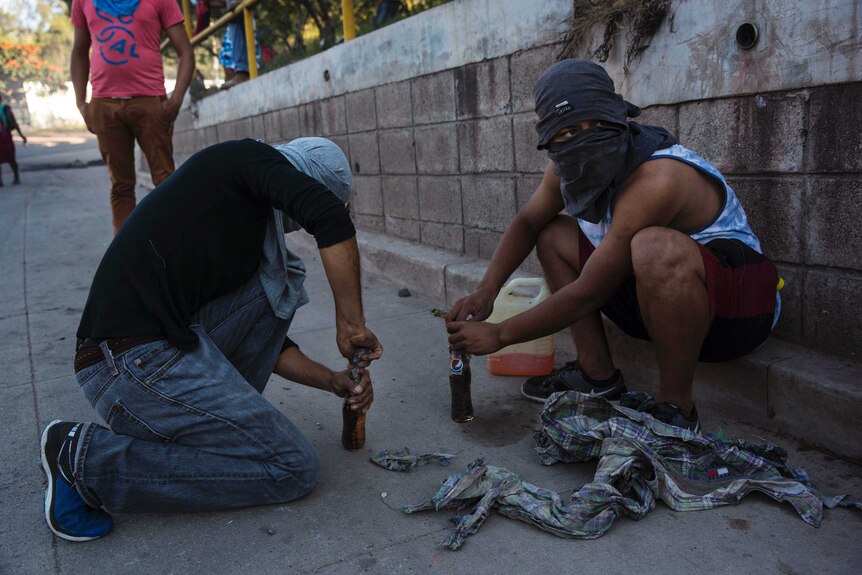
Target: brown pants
(118,123)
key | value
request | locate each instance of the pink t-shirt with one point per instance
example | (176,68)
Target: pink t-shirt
(125,59)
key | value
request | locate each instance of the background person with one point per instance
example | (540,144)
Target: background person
(116,46)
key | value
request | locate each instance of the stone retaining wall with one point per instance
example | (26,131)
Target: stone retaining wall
(446,159)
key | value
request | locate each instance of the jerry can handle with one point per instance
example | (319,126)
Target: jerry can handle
(528,282)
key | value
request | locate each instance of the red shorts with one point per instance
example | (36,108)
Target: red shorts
(741,285)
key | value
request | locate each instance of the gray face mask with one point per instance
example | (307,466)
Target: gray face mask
(587,166)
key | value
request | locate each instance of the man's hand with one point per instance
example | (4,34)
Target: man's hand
(474,337)
(476,306)
(359,395)
(170,110)
(364,338)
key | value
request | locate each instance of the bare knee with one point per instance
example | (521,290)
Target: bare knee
(661,255)
(558,239)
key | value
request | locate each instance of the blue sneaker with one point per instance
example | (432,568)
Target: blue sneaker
(66,512)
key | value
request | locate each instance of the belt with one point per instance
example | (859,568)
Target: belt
(89,353)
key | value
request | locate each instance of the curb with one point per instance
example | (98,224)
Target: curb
(783,387)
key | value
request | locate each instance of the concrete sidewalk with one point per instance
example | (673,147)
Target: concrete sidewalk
(53,230)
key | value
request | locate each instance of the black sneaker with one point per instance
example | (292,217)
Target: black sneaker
(670,413)
(66,512)
(570,377)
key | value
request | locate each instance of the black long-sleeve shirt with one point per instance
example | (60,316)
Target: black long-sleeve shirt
(200,235)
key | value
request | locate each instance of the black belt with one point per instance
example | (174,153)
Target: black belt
(89,353)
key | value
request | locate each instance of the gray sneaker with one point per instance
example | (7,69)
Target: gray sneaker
(570,377)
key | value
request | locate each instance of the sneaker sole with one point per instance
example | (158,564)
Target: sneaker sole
(49,494)
(608,395)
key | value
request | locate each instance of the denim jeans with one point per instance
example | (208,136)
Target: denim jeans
(189,430)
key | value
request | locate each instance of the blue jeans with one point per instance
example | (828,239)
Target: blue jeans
(189,430)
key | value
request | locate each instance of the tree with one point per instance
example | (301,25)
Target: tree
(20,62)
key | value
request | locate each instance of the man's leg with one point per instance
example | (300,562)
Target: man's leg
(154,134)
(558,249)
(117,146)
(674,303)
(188,430)
(16,178)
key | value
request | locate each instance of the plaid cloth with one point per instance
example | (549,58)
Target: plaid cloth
(640,460)
(404,461)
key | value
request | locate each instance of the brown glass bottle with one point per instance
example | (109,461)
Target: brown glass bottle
(353,421)
(459,386)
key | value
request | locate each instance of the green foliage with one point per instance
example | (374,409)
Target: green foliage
(35,43)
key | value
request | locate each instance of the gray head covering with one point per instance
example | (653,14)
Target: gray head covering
(574,90)
(321,159)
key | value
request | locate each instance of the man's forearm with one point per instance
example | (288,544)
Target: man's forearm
(292,364)
(80,68)
(341,263)
(514,247)
(185,70)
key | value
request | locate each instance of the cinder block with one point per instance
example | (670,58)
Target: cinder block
(447,236)
(434,98)
(831,320)
(244,129)
(834,138)
(361,111)
(394,107)
(367,196)
(818,398)
(527,158)
(272,127)
(227,131)
(527,66)
(489,202)
(481,243)
(210,137)
(524,188)
(333,116)
(397,151)
(184,121)
(747,134)
(663,116)
(834,209)
(774,208)
(399,196)
(440,199)
(436,149)
(289,120)
(341,142)
(310,123)
(789,324)
(486,145)
(369,223)
(462,279)
(483,89)
(402,228)
(258,128)
(364,154)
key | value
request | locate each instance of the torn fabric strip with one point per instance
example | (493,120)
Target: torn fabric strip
(404,461)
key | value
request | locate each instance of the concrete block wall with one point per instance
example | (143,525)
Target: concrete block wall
(446,158)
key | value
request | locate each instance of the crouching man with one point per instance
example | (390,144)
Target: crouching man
(186,320)
(653,237)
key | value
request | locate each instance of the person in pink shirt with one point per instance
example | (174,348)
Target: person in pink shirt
(116,47)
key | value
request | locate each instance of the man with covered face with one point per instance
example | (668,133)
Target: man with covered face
(186,320)
(653,237)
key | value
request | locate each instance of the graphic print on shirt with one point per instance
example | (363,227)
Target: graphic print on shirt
(117,45)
